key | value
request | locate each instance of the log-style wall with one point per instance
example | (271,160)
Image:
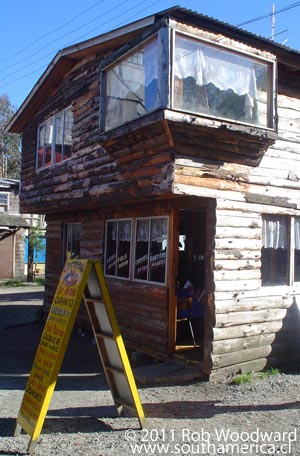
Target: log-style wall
(254,326)
(167,155)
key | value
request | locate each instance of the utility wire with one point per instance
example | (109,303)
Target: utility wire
(52,31)
(264,16)
(294,5)
(60,37)
(88,33)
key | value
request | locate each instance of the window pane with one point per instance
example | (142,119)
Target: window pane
(41,136)
(142,249)
(131,87)
(297,249)
(48,142)
(124,244)
(111,248)
(275,250)
(158,249)
(73,231)
(3,201)
(213,81)
(59,124)
(68,124)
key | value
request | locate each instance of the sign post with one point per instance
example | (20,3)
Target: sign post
(54,341)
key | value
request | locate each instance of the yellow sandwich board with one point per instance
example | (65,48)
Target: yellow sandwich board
(79,279)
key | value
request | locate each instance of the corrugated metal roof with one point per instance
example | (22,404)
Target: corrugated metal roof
(188,12)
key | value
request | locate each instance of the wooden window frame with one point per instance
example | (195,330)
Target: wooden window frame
(290,250)
(53,123)
(271,87)
(131,276)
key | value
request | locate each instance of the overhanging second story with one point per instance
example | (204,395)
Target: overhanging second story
(173,84)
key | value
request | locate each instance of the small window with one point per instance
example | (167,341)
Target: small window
(213,81)
(118,248)
(72,234)
(55,139)
(3,202)
(131,86)
(275,250)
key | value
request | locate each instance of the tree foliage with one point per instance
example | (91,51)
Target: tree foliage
(9,142)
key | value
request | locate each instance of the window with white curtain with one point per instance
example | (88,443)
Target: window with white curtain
(211,80)
(280,254)
(137,249)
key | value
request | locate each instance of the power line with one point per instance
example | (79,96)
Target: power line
(264,16)
(51,32)
(20,62)
(59,38)
(88,33)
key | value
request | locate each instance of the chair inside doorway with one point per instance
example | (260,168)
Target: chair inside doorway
(190,291)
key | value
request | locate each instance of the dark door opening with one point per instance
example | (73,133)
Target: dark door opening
(190,279)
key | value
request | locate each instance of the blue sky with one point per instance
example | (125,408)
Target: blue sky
(33,31)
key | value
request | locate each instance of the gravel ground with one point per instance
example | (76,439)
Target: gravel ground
(202,418)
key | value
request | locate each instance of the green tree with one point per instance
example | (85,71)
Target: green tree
(35,245)
(9,142)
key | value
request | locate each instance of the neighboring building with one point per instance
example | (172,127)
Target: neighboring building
(12,233)
(170,150)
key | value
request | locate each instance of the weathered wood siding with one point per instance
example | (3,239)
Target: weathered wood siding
(253,326)
(95,176)
(141,308)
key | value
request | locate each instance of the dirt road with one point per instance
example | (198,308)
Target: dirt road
(261,417)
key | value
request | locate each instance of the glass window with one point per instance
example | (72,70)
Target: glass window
(148,263)
(3,201)
(216,82)
(131,88)
(55,139)
(275,250)
(297,249)
(151,249)
(72,240)
(118,248)
(142,249)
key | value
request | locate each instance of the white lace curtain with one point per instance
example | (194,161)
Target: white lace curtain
(159,229)
(224,74)
(297,233)
(274,234)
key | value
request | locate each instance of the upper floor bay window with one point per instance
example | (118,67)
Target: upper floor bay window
(131,86)
(184,73)
(213,81)
(55,139)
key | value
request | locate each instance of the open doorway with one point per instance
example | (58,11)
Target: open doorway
(190,279)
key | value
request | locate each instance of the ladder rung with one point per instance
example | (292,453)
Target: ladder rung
(118,370)
(105,335)
(94,300)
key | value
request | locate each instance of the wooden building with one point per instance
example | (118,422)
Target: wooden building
(170,150)
(12,226)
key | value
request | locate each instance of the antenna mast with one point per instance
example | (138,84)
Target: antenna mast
(273,21)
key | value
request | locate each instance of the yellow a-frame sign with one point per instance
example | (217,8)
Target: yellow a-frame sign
(79,279)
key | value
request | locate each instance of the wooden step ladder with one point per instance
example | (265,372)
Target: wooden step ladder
(110,345)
